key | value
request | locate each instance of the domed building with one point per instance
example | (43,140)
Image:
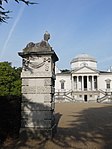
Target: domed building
(83,60)
(83,82)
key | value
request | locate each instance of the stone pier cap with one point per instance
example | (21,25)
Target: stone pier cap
(41,48)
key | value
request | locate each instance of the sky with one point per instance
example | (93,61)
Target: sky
(75,26)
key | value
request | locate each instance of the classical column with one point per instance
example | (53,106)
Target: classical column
(87,82)
(82,83)
(89,87)
(92,82)
(72,83)
(77,82)
(95,81)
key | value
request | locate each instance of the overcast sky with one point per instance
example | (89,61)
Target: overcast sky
(76,27)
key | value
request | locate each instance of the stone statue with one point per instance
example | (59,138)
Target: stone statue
(46,36)
(43,45)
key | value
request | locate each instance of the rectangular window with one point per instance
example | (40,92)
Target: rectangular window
(62,85)
(108,85)
(80,96)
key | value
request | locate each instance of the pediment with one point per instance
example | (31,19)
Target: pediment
(85,70)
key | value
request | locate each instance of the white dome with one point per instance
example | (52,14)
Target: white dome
(83,60)
(83,57)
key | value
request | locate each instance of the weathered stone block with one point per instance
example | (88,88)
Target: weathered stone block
(47,82)
(25,82)
(37,89)
(36,106)
(29,89)
(36,82)
(37,98)
(38,124)
(36,116)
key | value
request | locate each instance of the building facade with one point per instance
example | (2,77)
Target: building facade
(83,82)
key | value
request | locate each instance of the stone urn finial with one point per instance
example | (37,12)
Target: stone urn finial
(46,36)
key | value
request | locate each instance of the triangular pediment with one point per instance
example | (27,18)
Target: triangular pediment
(85,70)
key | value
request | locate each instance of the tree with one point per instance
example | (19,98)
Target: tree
(4,14)
(65,70)
(10,100)
(10,82)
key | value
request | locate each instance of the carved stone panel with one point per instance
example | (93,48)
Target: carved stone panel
(39,63)
(33,74)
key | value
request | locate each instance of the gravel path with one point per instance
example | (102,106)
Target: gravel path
(79,126)
(84,125)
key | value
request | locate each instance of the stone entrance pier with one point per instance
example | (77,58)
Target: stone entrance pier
(38,80)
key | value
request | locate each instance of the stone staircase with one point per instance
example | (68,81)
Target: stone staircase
(107,97)
(64,96)
(101,99)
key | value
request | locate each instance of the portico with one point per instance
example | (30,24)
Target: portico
(84,82)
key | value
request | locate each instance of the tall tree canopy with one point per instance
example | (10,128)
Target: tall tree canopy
(10,82)
(4,13)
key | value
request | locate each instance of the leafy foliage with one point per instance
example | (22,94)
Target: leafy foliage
(10,100)
(65,70)
(10,82)
(4,14)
